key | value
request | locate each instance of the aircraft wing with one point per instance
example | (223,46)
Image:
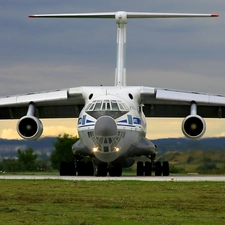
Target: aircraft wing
(66,103)
(174,103)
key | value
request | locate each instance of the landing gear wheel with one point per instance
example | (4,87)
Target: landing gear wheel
(63,169)
(101,170)
(148,169)
(115,170)
(165,168)
(140,168)
(81,168)
(158,169)
(89,168)
(67,169)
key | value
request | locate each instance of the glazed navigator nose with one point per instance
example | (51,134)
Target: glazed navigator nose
(105,126)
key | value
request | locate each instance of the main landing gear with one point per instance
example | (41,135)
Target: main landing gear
(160,169)
(82,168)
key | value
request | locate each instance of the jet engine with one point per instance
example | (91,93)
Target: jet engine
(30,127)
(193,126)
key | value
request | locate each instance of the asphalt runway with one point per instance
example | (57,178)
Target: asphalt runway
(85,178)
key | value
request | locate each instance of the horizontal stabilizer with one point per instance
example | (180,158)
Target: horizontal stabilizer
(121,18)
(129,15)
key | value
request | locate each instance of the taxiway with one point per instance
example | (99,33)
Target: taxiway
(92,178)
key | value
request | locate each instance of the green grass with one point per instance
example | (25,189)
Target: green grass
(111,202)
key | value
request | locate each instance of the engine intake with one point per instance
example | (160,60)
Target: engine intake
(29,127)
(193,126)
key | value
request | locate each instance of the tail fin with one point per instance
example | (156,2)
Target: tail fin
(121,20)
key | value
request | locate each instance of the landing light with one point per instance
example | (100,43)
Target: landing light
(117,149)
(95,149)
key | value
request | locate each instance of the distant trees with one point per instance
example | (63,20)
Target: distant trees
(9,165)
(27,160)
(63,150)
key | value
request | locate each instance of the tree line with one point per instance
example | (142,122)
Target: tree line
(27,160)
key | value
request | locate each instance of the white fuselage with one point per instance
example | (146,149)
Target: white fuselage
(119,105)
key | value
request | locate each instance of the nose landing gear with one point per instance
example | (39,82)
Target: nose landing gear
(101,170)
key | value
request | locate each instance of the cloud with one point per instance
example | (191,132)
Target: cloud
(169,128)
(52,127)
(54,131)
(9,134)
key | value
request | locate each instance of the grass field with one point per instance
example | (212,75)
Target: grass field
(111,202)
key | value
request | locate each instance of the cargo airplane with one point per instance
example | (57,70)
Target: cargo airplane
(112,119)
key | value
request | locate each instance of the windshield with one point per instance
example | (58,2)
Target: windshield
(106,105)
(113,108)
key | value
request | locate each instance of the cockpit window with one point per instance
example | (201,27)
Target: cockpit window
(107,105)
(113,108)
(121,106)
(98,106)
(90,108)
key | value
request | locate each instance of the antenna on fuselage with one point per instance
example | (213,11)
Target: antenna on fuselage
(121,20)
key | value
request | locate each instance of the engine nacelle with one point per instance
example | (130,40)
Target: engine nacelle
(29,127)
(193,126)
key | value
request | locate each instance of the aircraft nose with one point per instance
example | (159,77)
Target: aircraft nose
(105,126)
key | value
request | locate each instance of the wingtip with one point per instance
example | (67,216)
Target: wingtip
(214,15)
(31,16)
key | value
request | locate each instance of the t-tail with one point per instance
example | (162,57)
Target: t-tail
(121,18)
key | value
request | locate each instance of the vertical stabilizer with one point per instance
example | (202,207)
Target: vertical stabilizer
(121,20)
(120,73)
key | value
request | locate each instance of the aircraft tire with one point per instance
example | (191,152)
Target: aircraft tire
(89,168)
(166,169)
(81,168)
(158,169)
(140,168)
(101,170)
(71,169)
(148,169)
(67,169)
(115,170)
(63,169)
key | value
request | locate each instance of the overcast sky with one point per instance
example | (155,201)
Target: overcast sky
(46,54)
